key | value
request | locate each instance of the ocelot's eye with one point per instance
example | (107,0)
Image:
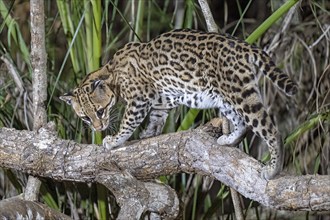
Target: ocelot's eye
(86,119)
(99,113)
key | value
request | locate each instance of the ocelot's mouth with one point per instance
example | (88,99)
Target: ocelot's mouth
(99,127)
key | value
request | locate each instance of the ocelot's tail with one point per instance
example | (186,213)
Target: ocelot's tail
(280,79)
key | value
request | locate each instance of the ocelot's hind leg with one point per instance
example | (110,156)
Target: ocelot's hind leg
(239,129)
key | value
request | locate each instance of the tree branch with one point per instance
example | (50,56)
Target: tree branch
(39,81)
(41,153)
(39,63)
(210,23)
(16,208)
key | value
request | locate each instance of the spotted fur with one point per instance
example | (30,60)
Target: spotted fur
(184,67)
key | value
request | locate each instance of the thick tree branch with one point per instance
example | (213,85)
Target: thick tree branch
(16,208)
(42,153)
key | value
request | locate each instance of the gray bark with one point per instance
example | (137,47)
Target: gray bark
(210,23)
(39,63)
(39,81)
(24,209)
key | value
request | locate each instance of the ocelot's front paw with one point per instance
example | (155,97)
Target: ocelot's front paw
(109,142)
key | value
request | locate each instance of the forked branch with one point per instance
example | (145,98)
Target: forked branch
(43,154)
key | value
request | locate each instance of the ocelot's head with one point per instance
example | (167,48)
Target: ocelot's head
(92,101)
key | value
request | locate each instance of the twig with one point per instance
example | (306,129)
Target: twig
(210,23)
(23,92)
(285,25)
(13,73)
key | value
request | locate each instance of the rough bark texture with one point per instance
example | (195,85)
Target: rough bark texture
(123,169)
(27,210)
(210,23)
(39,81)
(39,61)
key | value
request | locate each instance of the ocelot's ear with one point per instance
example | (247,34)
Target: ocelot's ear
(67,97)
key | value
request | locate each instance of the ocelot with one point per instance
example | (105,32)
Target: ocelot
(184,67)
